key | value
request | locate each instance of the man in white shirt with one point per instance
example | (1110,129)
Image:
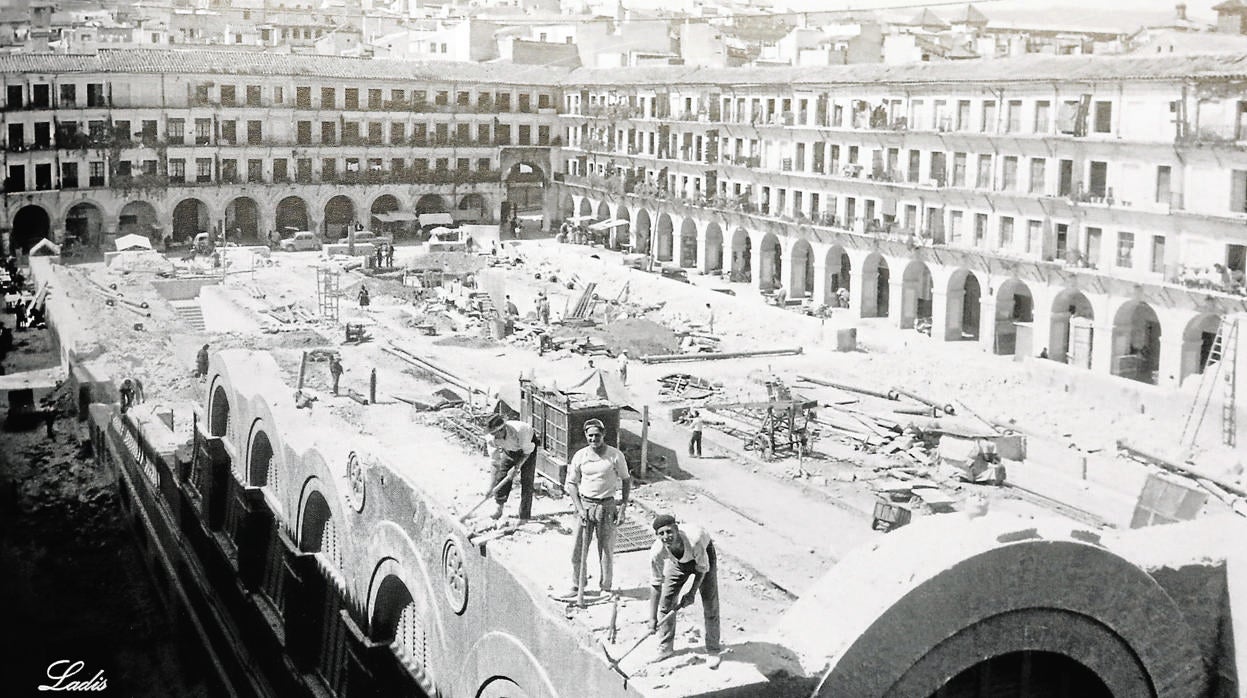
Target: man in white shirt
(623,367)
(680,553)
(514,443)
(595,474)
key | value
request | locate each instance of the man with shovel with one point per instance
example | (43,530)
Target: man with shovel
(680,553)
(514,447)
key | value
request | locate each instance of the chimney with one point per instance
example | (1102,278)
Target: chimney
(1181,9)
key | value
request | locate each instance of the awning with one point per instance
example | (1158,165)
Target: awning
(607,225)
(43,378)
(45,247)
(133,242)
(384,217)
(436,219)
(577,219)
(395,216)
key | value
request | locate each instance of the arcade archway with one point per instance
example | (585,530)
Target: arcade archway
(1071,332)
(839,277)
(771,274)
(32,224)
(688,243)
(714,248)
(916,296)
(242,220)
(139,218)
(664,244)
(801,270)
(339,216)
(1197,341)
(1136,343)
(190,217)
(292,216)
(525,183)
(431,203)
(742,256)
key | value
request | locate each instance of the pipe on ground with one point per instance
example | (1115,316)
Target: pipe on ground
(715,355)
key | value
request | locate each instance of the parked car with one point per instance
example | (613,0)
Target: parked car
(302,240)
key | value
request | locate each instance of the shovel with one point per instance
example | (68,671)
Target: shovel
(510,476)
(615,662)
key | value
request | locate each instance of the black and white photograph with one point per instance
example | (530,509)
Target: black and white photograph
(623,348)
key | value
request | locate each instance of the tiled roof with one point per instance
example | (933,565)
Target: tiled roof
(1033,67)
(163,61)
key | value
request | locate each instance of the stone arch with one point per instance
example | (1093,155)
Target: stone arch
(139,218)
(604,211)
(474,202)
(567,204)
(586,207)
(663,243)
(291,215)
(1197,339)
(31,224)
(917,294)
(1029,672)
(771,262)
(84,221)
(839,270)
(688,243)
(318,529)
(1136,342)
(909,641)
(641,232)
(190,217)
(876,280)
(218,411)
(1014,304)
(431,203)
(525,184)
(339,216)
(800,269)
(242,220)
(260,458)
(964,312)
(1071,333)
(505,667)
(742,256)
(713,261)
(401,619)
(385,203)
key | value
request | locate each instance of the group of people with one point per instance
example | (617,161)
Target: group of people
(384,255)
(1218,277)
(599,485)
(575,233)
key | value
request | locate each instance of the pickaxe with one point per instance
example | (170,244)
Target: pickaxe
(510,476)
(615,662)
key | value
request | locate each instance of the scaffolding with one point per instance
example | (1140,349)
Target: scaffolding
(328,292)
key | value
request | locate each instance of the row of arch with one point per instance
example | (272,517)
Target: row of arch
(242,216)
(960,304)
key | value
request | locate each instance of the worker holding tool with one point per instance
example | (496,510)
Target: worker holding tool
(677,555)
(595,474)
(514,447)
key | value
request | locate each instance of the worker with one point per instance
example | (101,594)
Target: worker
(543,308)
(674,557)
(697,424)
(389,255)
(596,473)
(201,362)
(781,296)
(514,444)
(513,311)
(709,319)
(335,370)
(623,366)
(127,394)
(364,299)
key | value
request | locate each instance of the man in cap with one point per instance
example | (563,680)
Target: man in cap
(697,424)
(514,445)
(597,472)
(680,553)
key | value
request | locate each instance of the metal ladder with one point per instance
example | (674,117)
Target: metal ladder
(1220,364)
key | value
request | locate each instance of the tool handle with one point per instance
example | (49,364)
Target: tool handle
(645,637)
(494,490)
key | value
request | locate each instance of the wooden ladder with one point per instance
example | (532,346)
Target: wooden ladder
(1219,365)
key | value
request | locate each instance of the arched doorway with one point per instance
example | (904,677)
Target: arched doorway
(32,224)
(382,205)
(801,270)
(641,232)
(663,246)
(604,211)
(1072,333)
(688,243)
(1014,305)
(964,313)
(1025,674)
(472,208)
(1136,343)
(319,532)
(771,273)
(1197,343)
(339,215)
(742,256)
(431,203)
(190,217)
(139,218)
(839,277)
(242,220)
(916,296)
(586,207)
(876,286)
(84,222)
(714,248)
(567,205)
(292,216)
(525,184)
(218,412)
(399,621)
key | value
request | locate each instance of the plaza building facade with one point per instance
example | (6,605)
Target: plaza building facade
(1085,209)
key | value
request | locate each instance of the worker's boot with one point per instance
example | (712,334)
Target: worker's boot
(497,512)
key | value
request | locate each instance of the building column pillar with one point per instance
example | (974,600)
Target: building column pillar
(864,299)
(1057,335)
(702,261)
(757,273)
(946,315)
(1102,349)
(1173,356)
(819,295)
(987,324)
(903,302)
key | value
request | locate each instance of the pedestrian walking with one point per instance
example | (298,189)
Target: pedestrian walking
(201,362)
(597,474)
(127,395)
(335,371)
(364,299)
(709,319)
(680,553)
(697,424)
(543,308)
(514,445)
(513,311)
(623,366)
(389,255)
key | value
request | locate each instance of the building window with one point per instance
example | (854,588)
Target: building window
(1125,250)
(328,132)
(41,98)
(374,98)
(177,171)
(302,97)
(229,133)
(227,95)
(95,95)
(255,170)
(95,176)
(374,133)
(1163,184)
(255,132)
(525,132)
(1097,181)
(1238,191)
(69,96)
(328,169)
(954,226)
(963,115)
(1034,236)
(980,228)
(303,170)
(1043,116)
(279,96)
(1094,236)
(1009,174)
(398,133)
(149,168)
(279,170)
(203,170)
(328,100)
(1103,117)
(1006,232)
(1038,173)
(984,178)
(229,171)
(989,116)
(1158,254)
(253,95)
(1013,116)
(69,175)
(352,98)
(959,169)
(203,131)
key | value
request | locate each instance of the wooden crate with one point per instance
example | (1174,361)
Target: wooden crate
(558,419)
(888,516)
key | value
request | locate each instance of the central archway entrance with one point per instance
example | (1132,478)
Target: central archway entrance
(292,216)
(1026,674)
(526,187)
(242,220)
(32,224)
(190,217)
(139,218)
(339,215)
(688,244)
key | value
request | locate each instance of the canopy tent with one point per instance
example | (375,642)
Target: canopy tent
(133,242)
(439,230)
(395,216)
(607,225)
(45,247)
(436,219)
(578,219)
